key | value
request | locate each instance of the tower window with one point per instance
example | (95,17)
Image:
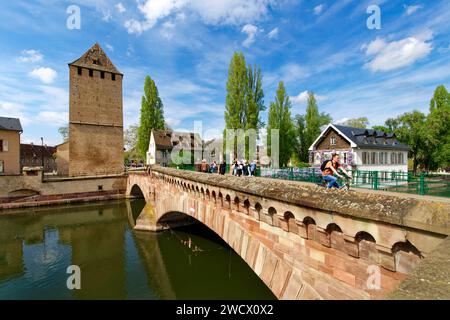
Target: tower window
(91,73)
(113,77)
(102,74)
(80,71)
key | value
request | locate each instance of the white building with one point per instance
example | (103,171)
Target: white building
(360,149)
(165,142)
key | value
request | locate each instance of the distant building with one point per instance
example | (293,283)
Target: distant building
(95,115)
(31,155)
(360,149)
(10,130)
(159,148)
(62,158)
(163,142)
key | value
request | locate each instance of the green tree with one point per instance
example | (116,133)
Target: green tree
(64,132)
(280,118)
(255,98)
(411,130)
(362,122)
(313,122)
(438,126)
(245,98)
(301,143)
(152,115)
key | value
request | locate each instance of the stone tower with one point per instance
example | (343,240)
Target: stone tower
(95,115)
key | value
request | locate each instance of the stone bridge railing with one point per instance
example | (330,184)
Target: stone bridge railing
(305,241)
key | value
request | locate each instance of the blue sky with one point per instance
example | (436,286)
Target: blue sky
(186,45)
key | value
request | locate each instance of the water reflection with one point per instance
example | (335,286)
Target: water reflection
(116,262)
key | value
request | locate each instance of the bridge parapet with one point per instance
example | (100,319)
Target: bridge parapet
(320,233)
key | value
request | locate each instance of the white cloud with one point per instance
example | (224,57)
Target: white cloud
(412,9)
(106,15)
(215,12)
(167,30)
(292,72)
(30,56)
(274,33)
(251,31)
(397,54)
(231,12)
(120,8)
(46,75)
(318,9)
(14,110)
(109,47)
(53,118)
(302,98)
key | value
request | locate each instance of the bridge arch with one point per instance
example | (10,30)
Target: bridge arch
(306,222)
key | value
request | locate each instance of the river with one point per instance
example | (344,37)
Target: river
(38,245)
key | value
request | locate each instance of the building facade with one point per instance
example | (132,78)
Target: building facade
(10,130)
(32,155)
(360,149)
(159,148)
(95,115)
(186,146)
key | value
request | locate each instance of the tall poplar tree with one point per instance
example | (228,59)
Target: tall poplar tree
(152,115)
(280,118)
(314,120)
(245,99)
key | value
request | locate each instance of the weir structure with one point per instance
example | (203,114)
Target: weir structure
(303,241)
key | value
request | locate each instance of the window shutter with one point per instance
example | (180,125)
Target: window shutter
(5,145)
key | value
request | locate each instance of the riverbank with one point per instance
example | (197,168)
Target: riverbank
(61,199)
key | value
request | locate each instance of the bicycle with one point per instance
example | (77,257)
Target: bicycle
(345,186)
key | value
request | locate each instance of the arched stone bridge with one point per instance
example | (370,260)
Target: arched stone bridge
(303,241)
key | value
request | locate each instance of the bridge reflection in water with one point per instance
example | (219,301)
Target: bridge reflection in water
(116,262)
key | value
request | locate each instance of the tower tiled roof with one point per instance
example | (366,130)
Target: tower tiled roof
(95,58)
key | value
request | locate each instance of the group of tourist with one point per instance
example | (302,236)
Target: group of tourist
(238,168)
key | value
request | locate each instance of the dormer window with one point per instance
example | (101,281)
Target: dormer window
(95,61)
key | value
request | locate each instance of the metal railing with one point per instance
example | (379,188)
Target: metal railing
(406,182)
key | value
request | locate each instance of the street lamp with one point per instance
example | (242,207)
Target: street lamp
(42,157)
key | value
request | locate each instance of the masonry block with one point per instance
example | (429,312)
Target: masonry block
(292,225)
(386,260)
(323,238)
(301,230)
(280,277)
(405,262)
(293,286)
(283,223)
(270,263)
(368,251)
(352,248)
(337,241)
(311,231)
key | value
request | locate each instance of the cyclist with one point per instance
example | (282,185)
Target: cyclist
(330,168)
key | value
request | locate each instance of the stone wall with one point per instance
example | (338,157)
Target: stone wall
(303,241)
(58,186)
(62,158)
